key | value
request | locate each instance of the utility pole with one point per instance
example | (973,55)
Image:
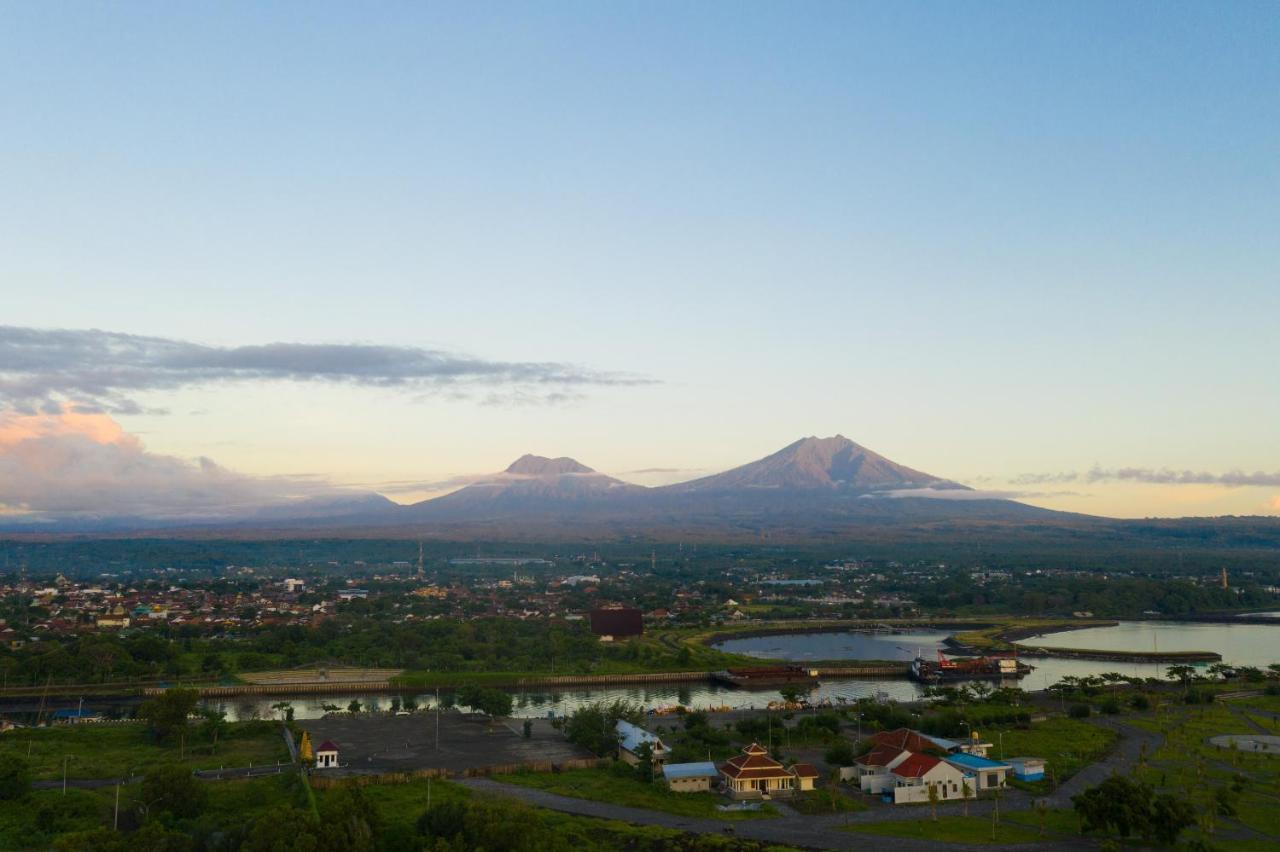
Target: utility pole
(437,718)
(115,824)
(65,758)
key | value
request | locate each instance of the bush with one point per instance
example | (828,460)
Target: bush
(1079,711)
(1110,706)
(15,777)
(1140,702)
(840,754)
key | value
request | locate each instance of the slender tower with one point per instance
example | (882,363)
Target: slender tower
(1225,585)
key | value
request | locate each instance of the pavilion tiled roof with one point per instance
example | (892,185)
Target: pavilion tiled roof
(753,764)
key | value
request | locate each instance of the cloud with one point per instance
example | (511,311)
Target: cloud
(40,369)
(954,494)
(1163,476)
(80,464)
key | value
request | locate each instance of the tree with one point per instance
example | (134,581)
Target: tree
(840,754)
(351,822)
(966,790)
(446,819)
(593,726)
(933,801)
(1132,807)
(489,701)
(1182,673)
(15,777)
(170,787)
(283,829)
(792,693)
(152,837)
(167,713)
(285,708)
(213,726)
(354,706)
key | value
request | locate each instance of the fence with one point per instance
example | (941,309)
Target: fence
(320,781)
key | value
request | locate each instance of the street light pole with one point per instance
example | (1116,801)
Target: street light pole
(65,758)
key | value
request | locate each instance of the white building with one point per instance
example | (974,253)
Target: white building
(327,755)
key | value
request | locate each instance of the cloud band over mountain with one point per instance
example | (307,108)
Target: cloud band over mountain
(40,368)
(1163,476)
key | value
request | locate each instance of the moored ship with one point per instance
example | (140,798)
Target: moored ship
(766,676)
(993,667)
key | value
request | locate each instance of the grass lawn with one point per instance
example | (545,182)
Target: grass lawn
(960,829)
(1067,746)
(603,786)
(111,750)
(33,822)
(1060,822)
(826,800)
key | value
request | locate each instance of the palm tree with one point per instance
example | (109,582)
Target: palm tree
(965,792)
(933,800)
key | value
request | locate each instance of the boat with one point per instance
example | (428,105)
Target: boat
(991,667)
(766,676)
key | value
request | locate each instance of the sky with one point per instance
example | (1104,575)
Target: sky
(256,248)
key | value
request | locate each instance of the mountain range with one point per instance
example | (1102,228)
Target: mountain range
(812,485)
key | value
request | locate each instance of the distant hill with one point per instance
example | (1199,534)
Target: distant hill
(530,486)
(812,463)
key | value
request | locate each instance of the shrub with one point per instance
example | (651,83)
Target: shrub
(15,777)
(1079,711)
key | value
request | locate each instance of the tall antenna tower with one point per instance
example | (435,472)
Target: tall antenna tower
(420,574)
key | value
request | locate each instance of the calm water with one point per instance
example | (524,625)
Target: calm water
(802,647)
(538,703)
(1241,644)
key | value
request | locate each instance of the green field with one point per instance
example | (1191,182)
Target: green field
(602,785)
(949,830)
(1067,746)
(112,750)
(826,800)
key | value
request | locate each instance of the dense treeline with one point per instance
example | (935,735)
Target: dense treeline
(441,645)
(1103,595)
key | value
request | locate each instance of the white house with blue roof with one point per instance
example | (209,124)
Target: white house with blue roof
(690,777)
(632,738)
(988,774)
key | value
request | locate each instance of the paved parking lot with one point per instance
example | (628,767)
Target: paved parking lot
(385,743)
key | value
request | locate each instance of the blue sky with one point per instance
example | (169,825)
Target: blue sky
(985,239)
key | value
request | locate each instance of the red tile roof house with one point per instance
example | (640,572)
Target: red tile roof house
(872,769)
(913,777)
(755,775)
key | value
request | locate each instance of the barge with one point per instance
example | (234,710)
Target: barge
(992,667)
(765,676)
